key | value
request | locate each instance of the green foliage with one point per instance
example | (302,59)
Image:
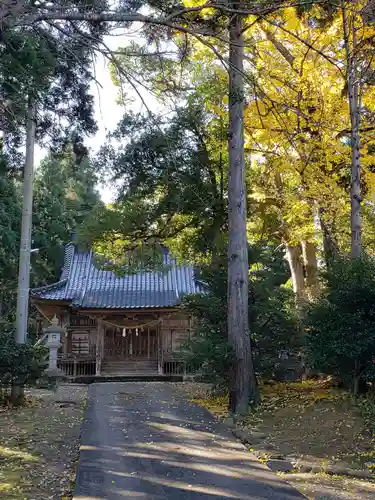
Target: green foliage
(53,66)
(208,349)
(341,323)
(171,185)
(273,323)
(65,196)
(208,346)
(24,363)
(10,222)
(276,338)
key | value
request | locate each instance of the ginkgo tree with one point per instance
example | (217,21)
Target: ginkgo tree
(299,124)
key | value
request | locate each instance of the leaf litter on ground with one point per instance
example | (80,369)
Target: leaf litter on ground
(310,421)
(40,443)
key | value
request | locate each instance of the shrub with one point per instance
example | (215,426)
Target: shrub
(24,363)
(208,346)
(277,339)
(340,325)
(273,323)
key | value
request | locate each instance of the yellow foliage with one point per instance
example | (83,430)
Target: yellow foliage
(370,184)
(193,3)
(218,405)
(292,22)
(296,122)
(296,118)
(199,3)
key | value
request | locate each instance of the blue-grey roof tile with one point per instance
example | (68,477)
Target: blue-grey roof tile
(85,285)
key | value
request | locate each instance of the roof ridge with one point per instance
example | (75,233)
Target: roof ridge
(70,265)
(49,287)
(90,266)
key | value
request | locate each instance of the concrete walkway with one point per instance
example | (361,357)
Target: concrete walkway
(144,441)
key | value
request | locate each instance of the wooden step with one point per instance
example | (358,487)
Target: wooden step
(118,367)
(133,377)
(147,362)
(133,364)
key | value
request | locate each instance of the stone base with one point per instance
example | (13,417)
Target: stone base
(54,373)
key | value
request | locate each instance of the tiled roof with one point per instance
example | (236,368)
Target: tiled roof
(85,285)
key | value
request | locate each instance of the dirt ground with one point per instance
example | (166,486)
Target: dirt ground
(39,444)
(314,423)
(325,487)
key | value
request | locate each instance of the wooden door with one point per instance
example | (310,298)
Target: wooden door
(132,345)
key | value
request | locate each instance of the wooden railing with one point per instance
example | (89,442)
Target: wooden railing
(74,366)
(179,368)
(77,367)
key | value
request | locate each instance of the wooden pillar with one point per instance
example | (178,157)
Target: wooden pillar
(65,323)
(68,342)
(148,341)
(160,347)
(64,342)
(99,346)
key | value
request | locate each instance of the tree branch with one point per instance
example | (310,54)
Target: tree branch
(305,42)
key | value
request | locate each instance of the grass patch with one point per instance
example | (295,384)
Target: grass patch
(39,444)
(327,487)
(311,420)
(314,422)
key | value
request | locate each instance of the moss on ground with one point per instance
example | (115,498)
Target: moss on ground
(39,445)
(312,422)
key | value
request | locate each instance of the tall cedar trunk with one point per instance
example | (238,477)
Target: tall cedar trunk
(242,384)
(354,106)
(17,394)
(294,257)
(311,266)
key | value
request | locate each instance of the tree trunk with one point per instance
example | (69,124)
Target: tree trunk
(293,252)
(356,378)
(311,266)
(17,394)
(329,241)
(359,383)
(243,387)
(354,106)
(294,257)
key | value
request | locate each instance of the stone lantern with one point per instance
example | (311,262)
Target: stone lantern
(54,332)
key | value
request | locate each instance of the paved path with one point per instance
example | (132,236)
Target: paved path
(144,441)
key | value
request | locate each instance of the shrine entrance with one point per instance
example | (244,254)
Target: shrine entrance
(130,343)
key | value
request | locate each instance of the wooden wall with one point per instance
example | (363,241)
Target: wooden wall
(81,335)
(175,331)
(82,331)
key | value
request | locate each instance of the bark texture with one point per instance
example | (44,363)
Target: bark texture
(311,266)
(354,106)
(330,245)
(25,247)
(17,393)
(294,257)
(243,387)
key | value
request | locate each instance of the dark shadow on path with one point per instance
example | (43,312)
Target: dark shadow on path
(143,441)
